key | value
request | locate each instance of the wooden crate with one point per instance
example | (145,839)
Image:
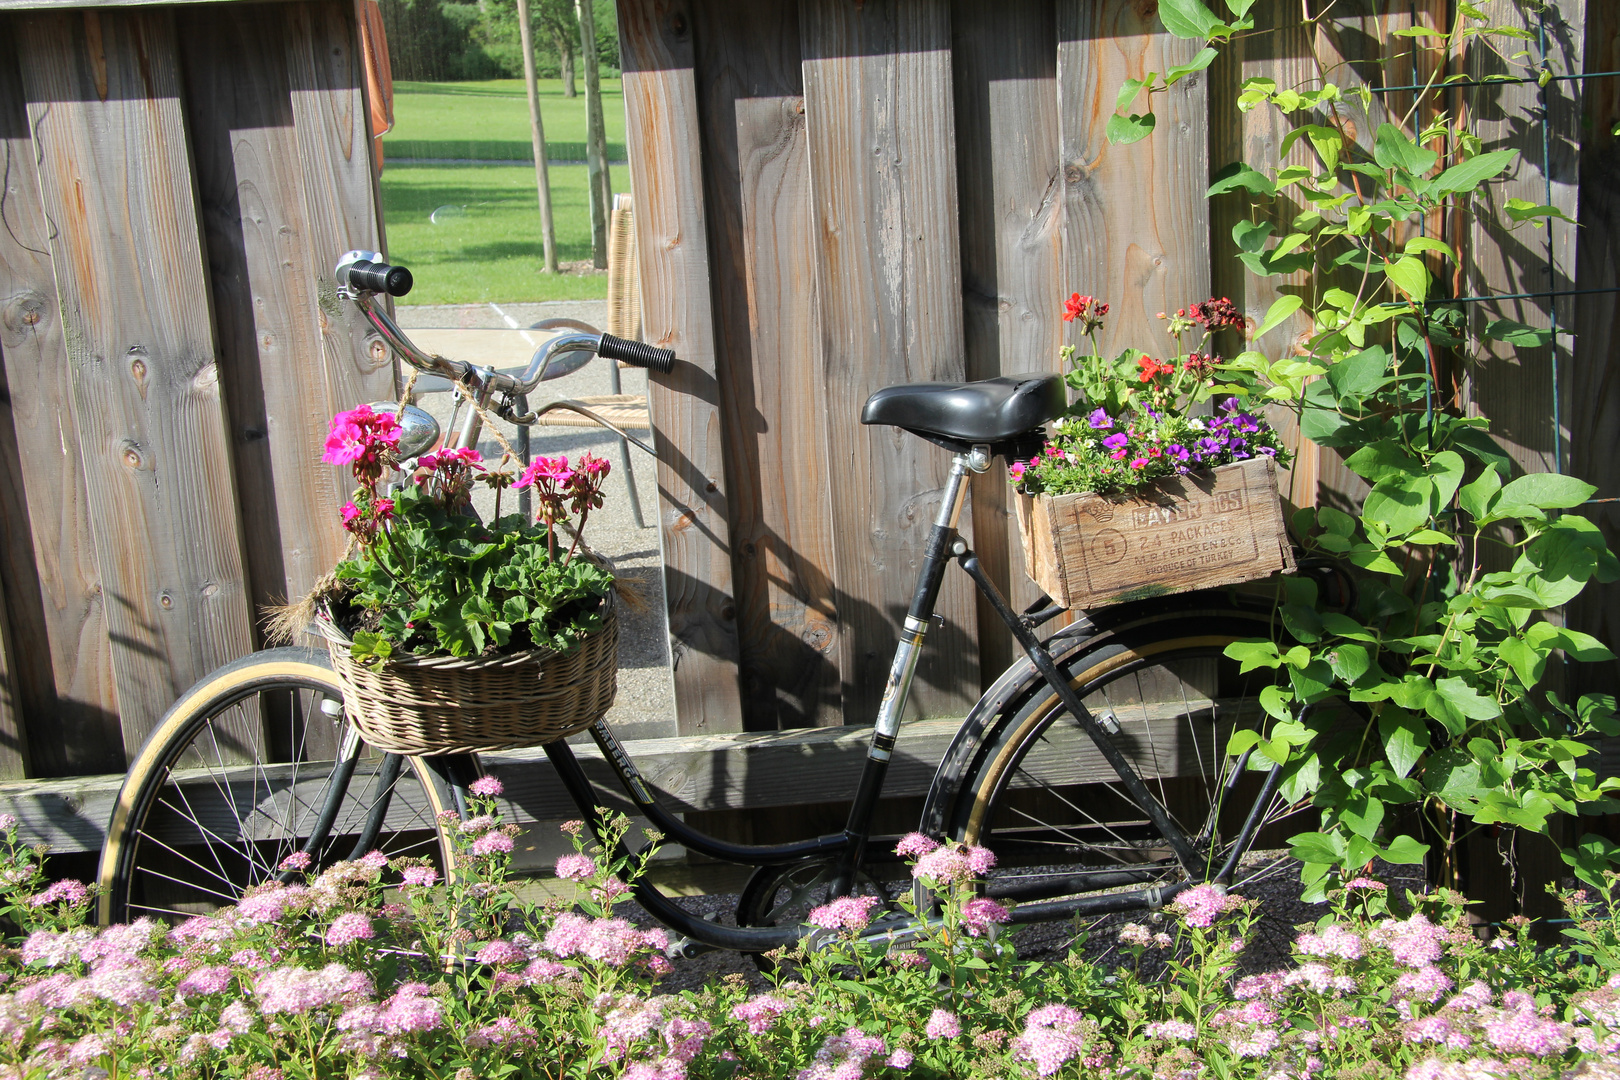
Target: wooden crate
(1188,532)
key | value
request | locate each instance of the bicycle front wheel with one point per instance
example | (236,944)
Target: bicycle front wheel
(1034,788)
(252,765)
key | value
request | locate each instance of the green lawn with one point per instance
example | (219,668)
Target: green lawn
(490,121)
(486,244)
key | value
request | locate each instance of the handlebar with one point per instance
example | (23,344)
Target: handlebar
(361,275)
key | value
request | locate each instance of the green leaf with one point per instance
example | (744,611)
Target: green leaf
(1546,491)
(1525,210)
(1253,654)
(1251,237)
(1393,150)
(1528,664)
(1189,19)
(1357,377)
(1473,172)
(1405,850)
(1483,448)
(1399,503)
(1476,498)
(1281,308)
(1181,71)
(1428,243)
(1124,130)
(1317,847)
(1239,175)
(1580,646)
(1274,699)
(1446,470)
(1239,8)
(1467,700)
(1409,275)
(1405,737)
(1363,814)
(1517,333)
(1131,88)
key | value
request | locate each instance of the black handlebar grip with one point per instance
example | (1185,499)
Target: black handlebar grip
(377,277)
(637,353)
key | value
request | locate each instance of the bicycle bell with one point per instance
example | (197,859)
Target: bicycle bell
(418,431)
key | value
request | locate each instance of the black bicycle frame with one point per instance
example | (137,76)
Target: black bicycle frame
(848,849)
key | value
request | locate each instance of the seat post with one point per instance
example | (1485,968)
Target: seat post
(936,556)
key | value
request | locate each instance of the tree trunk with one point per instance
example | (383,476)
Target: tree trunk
(565,54)
(596,166)
(537,129)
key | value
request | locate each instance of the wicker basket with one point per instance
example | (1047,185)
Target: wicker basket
(443,705)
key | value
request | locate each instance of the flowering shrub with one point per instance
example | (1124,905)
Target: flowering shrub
(424,576)
(376,969)
(1129,424)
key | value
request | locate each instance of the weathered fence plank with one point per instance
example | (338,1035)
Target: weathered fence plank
(883,179)
(61,684)
(1136,220)
(1010,184)
(266,303)
(1514,385)
(664,134)
(773,399)
(105,110)
(340,204)
(1593,377)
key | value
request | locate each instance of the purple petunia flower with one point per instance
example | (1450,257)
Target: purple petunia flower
(1100,420)
(1116,441)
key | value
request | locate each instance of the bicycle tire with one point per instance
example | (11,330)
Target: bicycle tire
(1031,786)
(239,773)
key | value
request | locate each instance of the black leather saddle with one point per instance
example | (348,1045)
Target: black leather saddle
(958,415)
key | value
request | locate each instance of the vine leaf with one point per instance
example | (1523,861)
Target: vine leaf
(1281,308)
(1473,172)
(1124,130)
(1189,19)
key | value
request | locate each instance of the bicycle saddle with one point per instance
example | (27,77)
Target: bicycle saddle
(987,411)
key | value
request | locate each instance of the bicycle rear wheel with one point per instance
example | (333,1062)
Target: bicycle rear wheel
(1033,787)
(253,764)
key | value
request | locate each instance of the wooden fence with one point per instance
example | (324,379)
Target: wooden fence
(177,185)
(833,195)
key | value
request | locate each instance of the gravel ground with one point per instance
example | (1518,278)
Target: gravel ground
(645,707)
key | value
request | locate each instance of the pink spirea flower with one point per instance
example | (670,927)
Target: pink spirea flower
(844,1057)
(265,907)
(760,1012)
(543,971)
(1334,940)
(1523,1031)
(913,844)
(1366,883)
(296,990)
(1171,1029)
(845,913)
(1425,984)
(575,867)
(492,843)
(1201,905)
(953,864)
(52,949)
(614,942)
(205,980)
(66,891)
(348,928)
(979,913)
(1319,978)
(487,787)
(419,875)
(501,952)
(942,1024)
(373,860)
(900,1059)
(297,861)
(1051,1037)
(1413,942)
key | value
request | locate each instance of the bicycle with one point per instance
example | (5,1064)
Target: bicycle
(1095,767)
